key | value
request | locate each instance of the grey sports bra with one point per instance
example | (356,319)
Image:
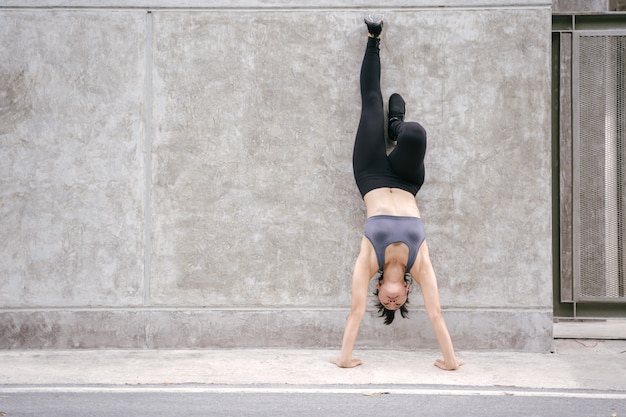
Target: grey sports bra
(384,230)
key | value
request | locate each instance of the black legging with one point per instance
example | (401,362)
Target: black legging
(404,167)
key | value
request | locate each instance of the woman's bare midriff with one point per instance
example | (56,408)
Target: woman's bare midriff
(391,202)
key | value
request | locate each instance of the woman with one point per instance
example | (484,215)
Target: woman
(394,235)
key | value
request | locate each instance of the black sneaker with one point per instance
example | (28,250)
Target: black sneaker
(396,112)
(374,22)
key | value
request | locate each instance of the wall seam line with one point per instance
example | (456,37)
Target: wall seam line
(148,163)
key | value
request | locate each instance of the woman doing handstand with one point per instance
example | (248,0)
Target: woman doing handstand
(394,235)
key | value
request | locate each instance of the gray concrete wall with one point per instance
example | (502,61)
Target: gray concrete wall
(573,6)
(178,177)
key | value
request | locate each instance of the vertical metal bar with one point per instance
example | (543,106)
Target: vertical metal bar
(576,166)
(565,166)
(610,171)
(621,139)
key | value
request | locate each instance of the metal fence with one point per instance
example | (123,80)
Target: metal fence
(599,174)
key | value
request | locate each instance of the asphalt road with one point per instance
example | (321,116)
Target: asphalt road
(328,401)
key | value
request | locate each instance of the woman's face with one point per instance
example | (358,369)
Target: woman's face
(392,295)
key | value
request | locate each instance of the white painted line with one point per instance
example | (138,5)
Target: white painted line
(287,390)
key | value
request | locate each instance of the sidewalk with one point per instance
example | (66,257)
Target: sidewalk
(575,364)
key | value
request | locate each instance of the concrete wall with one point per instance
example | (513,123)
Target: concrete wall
(178,174)
(580,6)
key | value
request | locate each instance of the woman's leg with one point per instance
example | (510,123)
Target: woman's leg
(369,146)
(407,159)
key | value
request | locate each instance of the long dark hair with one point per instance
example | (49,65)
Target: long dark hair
(389,315)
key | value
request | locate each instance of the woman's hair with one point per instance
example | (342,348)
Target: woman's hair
(389,315)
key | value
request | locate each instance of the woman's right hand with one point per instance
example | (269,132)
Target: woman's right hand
(347,364)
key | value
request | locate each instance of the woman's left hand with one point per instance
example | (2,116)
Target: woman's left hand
(448,366)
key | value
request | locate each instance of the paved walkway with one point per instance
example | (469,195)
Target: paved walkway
(574,365)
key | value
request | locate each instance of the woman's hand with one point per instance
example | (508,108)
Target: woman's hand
(453,366)
(347,364)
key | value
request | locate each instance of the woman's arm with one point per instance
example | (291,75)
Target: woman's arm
(425,277)
(360,281)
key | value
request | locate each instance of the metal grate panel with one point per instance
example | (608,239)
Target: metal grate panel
(600,175)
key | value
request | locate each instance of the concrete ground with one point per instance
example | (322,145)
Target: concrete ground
(573,365)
